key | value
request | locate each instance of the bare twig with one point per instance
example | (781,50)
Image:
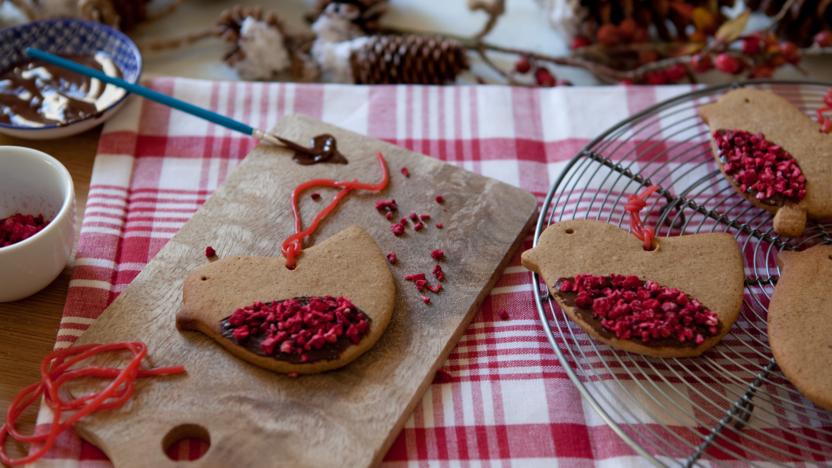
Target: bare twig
(780,14)
(487,60)
(493,8)
(176,42)
(166,10)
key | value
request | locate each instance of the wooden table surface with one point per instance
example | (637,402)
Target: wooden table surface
(28,327)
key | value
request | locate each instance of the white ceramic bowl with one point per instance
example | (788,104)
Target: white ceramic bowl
(32,182)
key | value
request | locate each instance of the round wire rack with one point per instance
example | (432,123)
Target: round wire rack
(732,403)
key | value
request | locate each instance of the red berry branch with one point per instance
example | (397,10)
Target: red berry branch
(631,52)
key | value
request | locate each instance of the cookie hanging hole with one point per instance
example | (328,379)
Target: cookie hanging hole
(747,100)
(570,231)
(186,442)
(830,257)
(203,278)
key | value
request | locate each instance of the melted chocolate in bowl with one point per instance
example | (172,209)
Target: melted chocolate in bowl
(36,94)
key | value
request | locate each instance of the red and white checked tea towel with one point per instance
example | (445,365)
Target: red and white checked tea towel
(508,401)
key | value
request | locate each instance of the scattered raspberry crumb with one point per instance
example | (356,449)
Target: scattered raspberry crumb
(19,227)
(418,226)
(293,375)
(440,226)
(414,217)
(392,258)
(442,376)
(403,222)
(421,284)
(315,196)
(389,215)
(424,217)
(438,273)
(504,315)
(435,288)
(210,252)
(387,206)
(425,299)
(397,229)
(438,254)
(406,172)
(440,199)
(415,277)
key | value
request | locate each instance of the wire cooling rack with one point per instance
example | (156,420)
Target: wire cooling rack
(732,403)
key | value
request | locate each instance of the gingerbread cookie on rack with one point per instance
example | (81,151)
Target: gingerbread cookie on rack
(326,312)
(800,322)
(674,297)
(774,155)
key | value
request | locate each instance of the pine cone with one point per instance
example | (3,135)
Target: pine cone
(370,12)
(801,21)
(231,22)
(408,59)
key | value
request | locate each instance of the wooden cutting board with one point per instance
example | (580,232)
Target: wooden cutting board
(347,417)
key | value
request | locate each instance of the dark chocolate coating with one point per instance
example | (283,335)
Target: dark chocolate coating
(328,352)
(324,149)
(37,94)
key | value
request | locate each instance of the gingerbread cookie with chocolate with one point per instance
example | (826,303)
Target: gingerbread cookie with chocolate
(774,155)
(677,300)
(321,315)
(800,322)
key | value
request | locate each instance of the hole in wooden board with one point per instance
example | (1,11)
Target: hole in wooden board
(186,442)
(570,231)
(830,257)
(747,100)
(204,278)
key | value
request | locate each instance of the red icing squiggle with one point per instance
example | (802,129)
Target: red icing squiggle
(635,204)
(56,370)
(293,245)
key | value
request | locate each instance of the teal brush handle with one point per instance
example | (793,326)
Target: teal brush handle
(146,92)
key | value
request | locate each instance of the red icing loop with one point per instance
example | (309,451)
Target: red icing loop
(636,203)
(293,245)
(56,369)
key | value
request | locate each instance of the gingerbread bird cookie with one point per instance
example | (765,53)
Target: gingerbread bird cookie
(774,155)
(321,315)
(800,322)
(676,300)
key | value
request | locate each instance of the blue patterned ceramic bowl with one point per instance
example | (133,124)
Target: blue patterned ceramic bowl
(71,37)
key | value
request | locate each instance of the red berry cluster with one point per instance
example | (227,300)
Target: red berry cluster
(292,328)
(633,309)
(542,75)
(625,32)
(20,227)
(823,39)
(761,54)
(759,167)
